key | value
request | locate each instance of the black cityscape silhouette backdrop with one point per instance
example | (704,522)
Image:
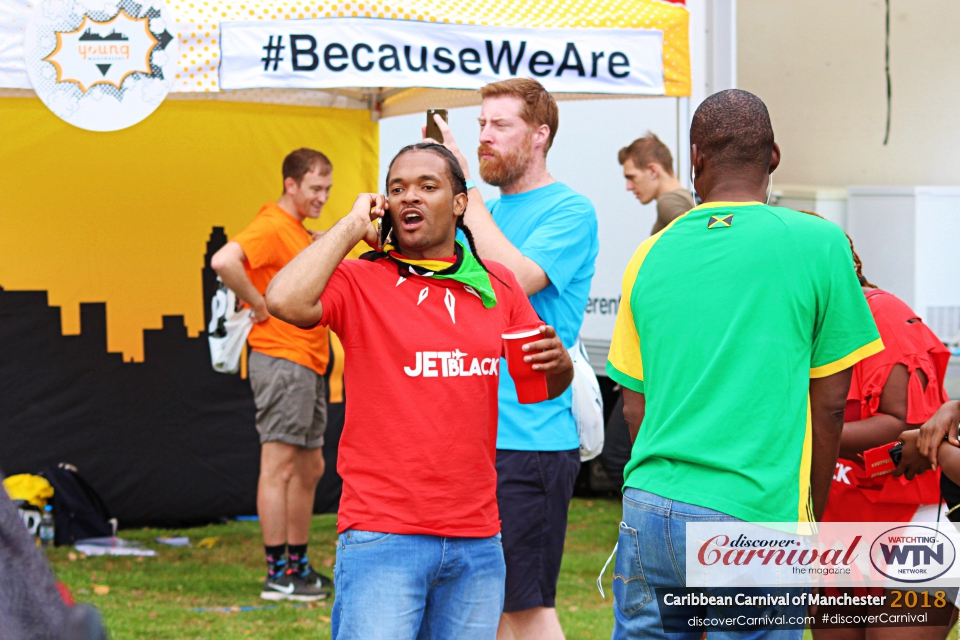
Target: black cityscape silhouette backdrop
(166,441)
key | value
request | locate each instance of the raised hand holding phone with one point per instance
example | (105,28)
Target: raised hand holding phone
(293,295)
(432,130)
(445,136)
(371,208)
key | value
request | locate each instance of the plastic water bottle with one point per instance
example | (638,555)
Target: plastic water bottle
(46,527)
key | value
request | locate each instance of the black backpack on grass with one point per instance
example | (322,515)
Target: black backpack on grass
(78,510)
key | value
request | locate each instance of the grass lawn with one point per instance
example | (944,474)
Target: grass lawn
(155,597)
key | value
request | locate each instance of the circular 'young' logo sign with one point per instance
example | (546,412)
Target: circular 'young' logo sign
(102,67)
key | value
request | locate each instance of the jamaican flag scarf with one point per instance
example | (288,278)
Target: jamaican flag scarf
(464,269)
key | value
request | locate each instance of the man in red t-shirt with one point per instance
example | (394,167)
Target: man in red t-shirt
(421,325)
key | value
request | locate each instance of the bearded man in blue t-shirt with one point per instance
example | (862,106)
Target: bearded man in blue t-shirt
(546,233)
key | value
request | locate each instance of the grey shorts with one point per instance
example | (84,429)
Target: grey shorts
(291,401)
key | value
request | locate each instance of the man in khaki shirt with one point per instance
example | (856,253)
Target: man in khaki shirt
(648,170)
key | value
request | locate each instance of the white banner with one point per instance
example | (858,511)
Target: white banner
(367,52)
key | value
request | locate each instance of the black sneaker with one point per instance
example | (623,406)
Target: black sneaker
(290,586)
(314,578)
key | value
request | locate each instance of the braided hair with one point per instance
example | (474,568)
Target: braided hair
(458,181)
(857,263)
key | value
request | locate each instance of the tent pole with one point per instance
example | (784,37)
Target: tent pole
(679,173)
(373,103)
(683,142)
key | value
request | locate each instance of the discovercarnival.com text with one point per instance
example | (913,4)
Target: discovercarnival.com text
(784,622)
(796,622)
(731,609)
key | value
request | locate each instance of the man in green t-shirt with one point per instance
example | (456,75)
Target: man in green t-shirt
(737,329)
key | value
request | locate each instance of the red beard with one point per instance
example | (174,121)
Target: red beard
(504,169)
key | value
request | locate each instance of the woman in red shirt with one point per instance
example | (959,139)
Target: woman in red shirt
(891,394)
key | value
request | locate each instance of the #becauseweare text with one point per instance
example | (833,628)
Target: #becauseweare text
(305,55)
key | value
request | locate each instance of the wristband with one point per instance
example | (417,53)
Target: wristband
(471,185)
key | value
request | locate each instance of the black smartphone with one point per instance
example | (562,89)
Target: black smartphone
(896,453)
(384,226)
(433,131)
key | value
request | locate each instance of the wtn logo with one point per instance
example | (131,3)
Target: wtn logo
(913,553)
(901,554)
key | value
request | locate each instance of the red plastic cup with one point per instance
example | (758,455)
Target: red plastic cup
(531,384)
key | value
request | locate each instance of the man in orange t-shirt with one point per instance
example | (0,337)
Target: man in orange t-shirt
(286,370)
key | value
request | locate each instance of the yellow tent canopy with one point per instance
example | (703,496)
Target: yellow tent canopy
(134,209)
(199,29)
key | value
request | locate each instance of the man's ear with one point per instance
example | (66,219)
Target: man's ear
(696,158)
(540,136)
(289,185)
(775,158)
(460,204)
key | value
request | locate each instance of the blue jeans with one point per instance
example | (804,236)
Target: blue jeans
(417,587)
(651,555)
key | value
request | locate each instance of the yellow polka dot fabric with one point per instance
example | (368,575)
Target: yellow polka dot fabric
(198,25)
(13,23)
